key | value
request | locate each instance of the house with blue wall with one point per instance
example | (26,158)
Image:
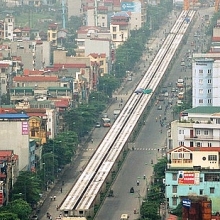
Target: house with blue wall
(193,171)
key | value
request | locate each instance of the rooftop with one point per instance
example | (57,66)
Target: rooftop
(203,110)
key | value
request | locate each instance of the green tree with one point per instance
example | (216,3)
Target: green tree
(21,208)
(28,187)
(8,215)
(149,211)
(108,83)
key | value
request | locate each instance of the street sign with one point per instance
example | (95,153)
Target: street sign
(186,203)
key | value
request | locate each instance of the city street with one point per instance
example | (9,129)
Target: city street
(147,147)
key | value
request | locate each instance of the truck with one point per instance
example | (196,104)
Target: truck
(116,113)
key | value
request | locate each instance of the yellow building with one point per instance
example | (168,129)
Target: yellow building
(38,131)
(52,34)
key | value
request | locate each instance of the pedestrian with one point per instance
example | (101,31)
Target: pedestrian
(156,119)
(92,140)
(57,207)
(51,198)
(61,189)
(54,198)
(63,182)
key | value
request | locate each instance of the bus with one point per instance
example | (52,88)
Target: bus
(106,122)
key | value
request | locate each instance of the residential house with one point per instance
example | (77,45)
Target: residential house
(120,28)
(193,171)
(8,174)
(197,127)
(52,34)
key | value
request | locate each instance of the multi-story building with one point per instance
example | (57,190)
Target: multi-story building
(8,174)
(9,27)
(52,34)
(205,81)
(197,127)
(14,135)
(120,28)
(193,171)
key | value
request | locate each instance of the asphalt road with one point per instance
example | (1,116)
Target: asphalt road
(137,163)
(151,143)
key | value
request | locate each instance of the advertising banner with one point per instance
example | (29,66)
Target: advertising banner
(188,177)
(131,6)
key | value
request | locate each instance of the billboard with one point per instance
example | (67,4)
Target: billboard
(131,6)
(188,177)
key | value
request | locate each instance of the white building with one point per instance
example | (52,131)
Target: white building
(14,135)
(120,28)
(197,127)
(205,82)
(9,27)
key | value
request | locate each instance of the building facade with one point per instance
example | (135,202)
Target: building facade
(197,127)
(205,81)
(193,172)
(14,136)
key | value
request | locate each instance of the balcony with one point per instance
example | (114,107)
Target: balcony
(202,138)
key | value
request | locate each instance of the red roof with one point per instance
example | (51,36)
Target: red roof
(36,79)
(33,72)
(198,148)
(5,153)
(64,103)
(216,39)
(4,65)
(96,55)
(172,217)
(70,65)
(36,114)
(7,110)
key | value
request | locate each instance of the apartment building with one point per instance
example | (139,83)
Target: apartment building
(196,127)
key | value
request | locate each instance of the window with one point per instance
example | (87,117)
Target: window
(212,189)
(201,179)
(209,144)
(212,177)
(212,157)
(175,176)
(197,132)
(101,62)
(200,71)
(217,121)
(209,81)
(201,192)
(174,201)
(209,72)
(209,101)
(201,81)
(114,36)
(206,132)
(174,189)
(103,17)
(181,143)
(209,91)
(114,29)
(200,91)
(200,101)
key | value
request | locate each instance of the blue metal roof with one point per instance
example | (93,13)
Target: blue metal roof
(14,116)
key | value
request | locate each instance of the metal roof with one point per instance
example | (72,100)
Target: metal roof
(203,110)
(14,116)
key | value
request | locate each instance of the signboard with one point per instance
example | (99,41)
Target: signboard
(25,130)
(188,177)
(131,6)
(186,203)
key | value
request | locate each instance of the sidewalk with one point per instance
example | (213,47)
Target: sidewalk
(72,172)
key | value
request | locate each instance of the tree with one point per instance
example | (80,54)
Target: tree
(149,211)
(21,208)
(28,187)
(8,215)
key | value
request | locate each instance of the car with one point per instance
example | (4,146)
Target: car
(173,89)
(34,217)
(170,101)
(139,90)
(166,94)
(159,107)
(97,125)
